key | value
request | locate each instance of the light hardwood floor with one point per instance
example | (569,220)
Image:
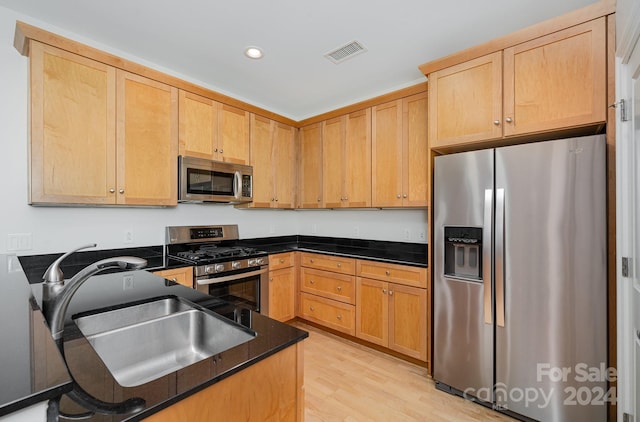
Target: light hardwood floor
(345,381)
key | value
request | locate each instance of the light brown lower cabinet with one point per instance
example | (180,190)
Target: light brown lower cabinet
(330,313)
(270,390)
(282,286)
(392,315)
(182,275)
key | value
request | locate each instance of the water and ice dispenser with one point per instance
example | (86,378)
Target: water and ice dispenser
(463,252)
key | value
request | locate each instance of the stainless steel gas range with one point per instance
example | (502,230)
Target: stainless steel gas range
(222,268)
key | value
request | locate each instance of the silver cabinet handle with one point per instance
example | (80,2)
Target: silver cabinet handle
(311,260)
(384,291)
(404,196)
(339,288)
(311,281)
(112,190)
(346,198)
(387,272)
(311,308)
(281,260)
(121,191)
(276,199)
(390,292)
(339,265)
(339,317)
(221,150)
(496,122)
(318,199)
(508,120)
(215,150)
(398,196)
(270,278)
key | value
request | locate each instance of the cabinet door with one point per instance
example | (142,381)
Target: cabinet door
(282,294)
(284,144)
(556,81)
(310,179)
(147,141)
(408,320)
(198,125)
(233,134)
(372,311)
(357,159)
(262,161)
(386,155)
(333,162)
(465,102)
(415,151)
(73,135)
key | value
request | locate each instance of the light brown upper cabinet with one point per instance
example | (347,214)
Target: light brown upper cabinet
(400,153)
(147,141)
(212,130)
(273,161)
(346,160)
(310,166)
(99,136)
(553,82)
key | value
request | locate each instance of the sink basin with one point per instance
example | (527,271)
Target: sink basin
(144,342)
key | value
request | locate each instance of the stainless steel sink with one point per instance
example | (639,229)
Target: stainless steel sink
(144,342)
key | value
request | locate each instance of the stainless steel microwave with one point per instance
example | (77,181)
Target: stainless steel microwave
(202,180)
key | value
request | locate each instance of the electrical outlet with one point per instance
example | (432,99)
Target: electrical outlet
(407,234)
(422,235)
(356,231)
(127,282)
(128,236)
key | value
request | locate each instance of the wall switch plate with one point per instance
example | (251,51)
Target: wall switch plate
(19,242)
(422,235)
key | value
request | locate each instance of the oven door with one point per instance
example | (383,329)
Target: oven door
(247,288)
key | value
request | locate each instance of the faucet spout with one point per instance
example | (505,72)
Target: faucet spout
(57,295)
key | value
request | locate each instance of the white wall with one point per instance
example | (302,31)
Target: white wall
(55,229)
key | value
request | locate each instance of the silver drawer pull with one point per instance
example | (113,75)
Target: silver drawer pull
(339,317)
(390,292)
(311,308)
(281,260)
(339,288)
(387,272)
(339,265)
(311,281)
(384,291)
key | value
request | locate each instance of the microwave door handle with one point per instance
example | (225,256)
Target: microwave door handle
(236,185)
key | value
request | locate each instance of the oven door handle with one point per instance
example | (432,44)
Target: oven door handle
(214,280)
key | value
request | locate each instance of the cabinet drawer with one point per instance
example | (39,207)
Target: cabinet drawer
(401,274)
(183,275)
(327,284)
(330,313)
(281,260)
(336,264)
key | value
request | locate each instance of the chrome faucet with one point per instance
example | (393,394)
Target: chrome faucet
(56,295)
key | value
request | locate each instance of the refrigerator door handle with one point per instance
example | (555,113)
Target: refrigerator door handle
(486,254)
(499,260)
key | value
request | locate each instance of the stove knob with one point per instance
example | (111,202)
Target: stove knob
(219,267)
(253,262)
(235,265)
(209,269)
(259,261)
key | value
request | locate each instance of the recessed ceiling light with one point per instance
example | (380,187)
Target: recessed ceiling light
(253,52)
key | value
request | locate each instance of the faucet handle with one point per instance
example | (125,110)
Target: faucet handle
(54,273)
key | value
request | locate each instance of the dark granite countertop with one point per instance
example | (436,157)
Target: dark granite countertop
(31,367)
(414,254)
(86,371)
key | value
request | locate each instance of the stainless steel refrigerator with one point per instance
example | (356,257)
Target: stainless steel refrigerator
(519,289)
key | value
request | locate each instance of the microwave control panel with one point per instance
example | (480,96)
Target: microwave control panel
(246,186)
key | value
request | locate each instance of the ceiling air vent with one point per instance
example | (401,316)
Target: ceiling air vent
(345,52)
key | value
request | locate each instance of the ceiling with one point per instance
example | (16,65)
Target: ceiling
(203,41)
